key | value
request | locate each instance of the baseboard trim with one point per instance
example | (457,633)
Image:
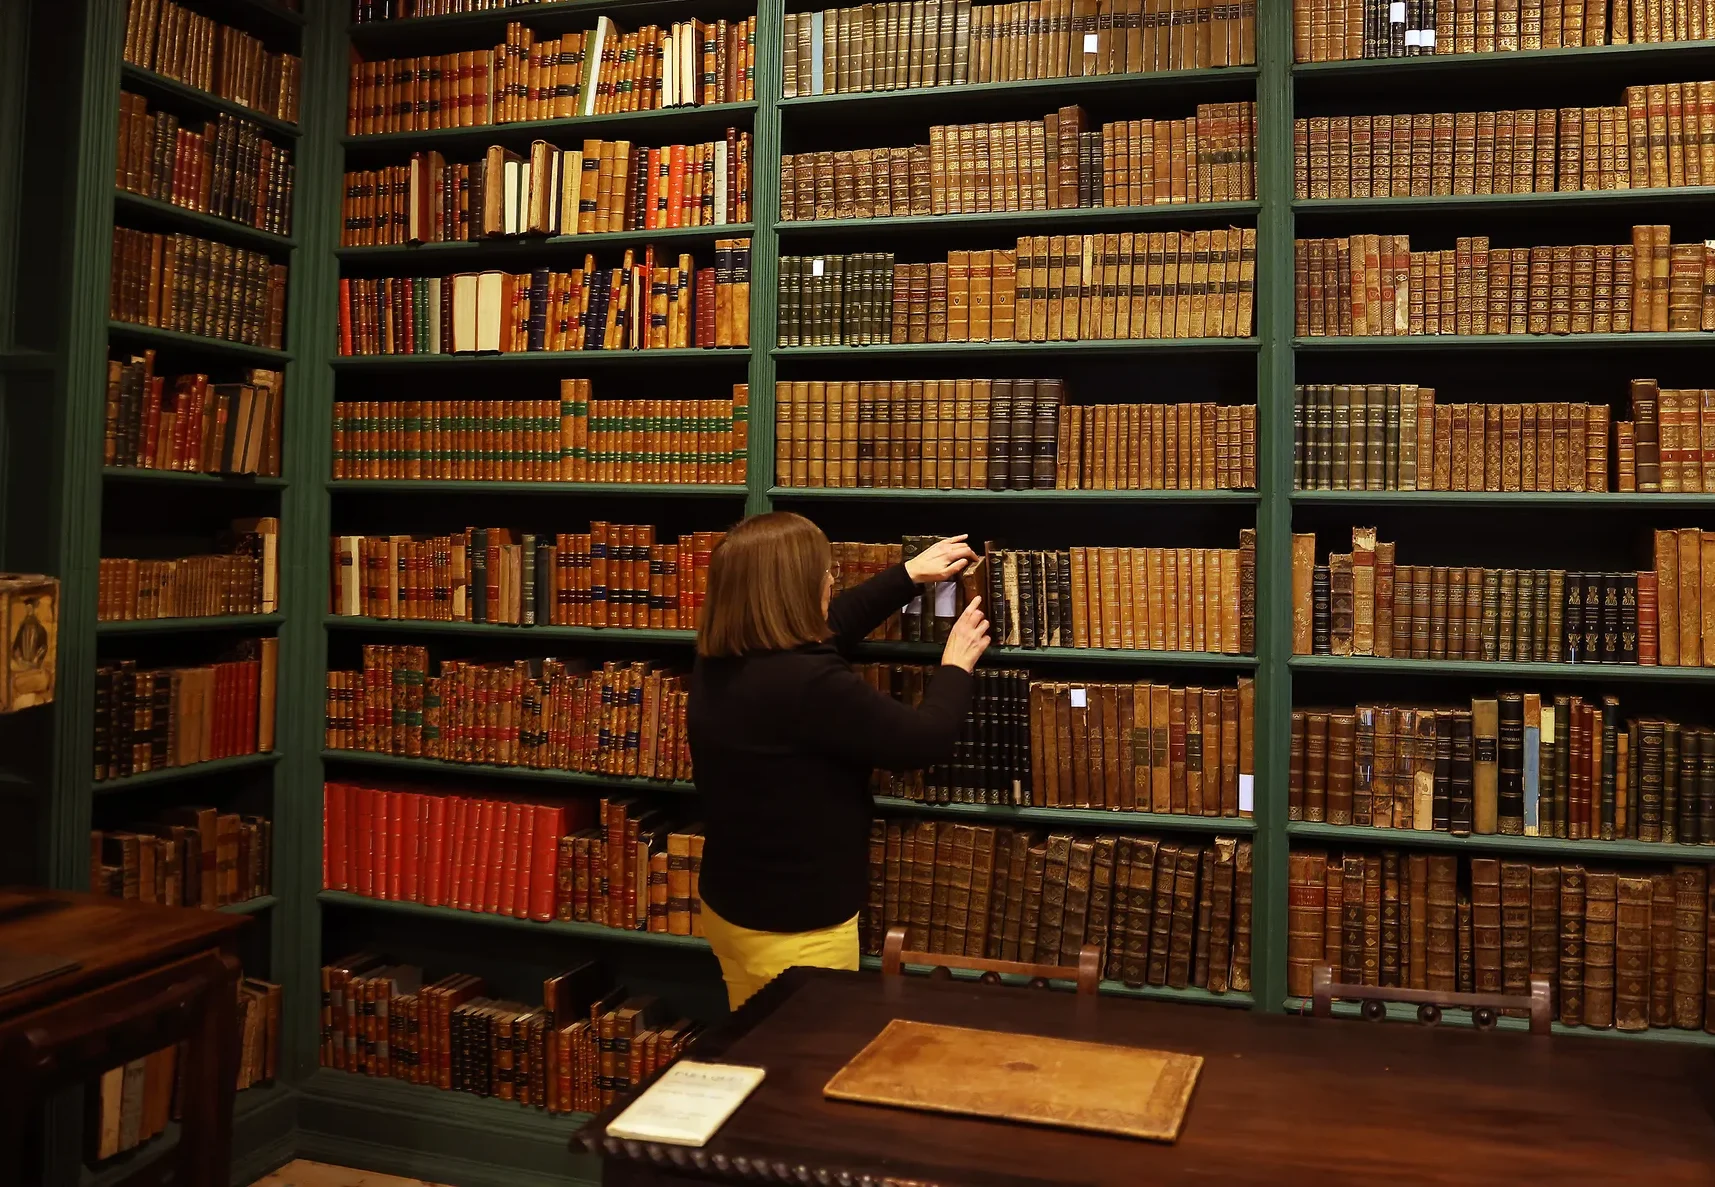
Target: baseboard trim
(264,1132)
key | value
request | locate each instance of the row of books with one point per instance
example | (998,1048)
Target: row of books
(1396,437)
(613,575)
(1342,30)
(133,1103)
(229,169)
(1514,764)
(191,857)
(548,714)
(180,282)
(1368,285)
(149,719)
(1165,913)
(640,305)
(925,43)
(616,862)
(1002,434)
(1622,950)
(1372,605)
(1175,284)
(365,12)
(1158,599)
(605,185)
(191,48)
(587,1044)
(594,72)
(242,579)
(1656,140)
(190,424)
(1046,164)
(1123,747)
(572,439)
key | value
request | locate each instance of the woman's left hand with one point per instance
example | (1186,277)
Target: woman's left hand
(942,561)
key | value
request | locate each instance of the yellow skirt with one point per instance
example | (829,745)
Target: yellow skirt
(751,959)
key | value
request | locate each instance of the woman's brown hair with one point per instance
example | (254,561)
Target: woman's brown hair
(765,587)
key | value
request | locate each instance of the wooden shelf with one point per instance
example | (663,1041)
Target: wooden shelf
(587,931)
(170,90)
(478,486)
(1075,497)
(617,634)
(1401,1012)
(261,356)
(1066,817)
(1452,69)
(1107,988)
(138,474)
(402,762)
(1592,200)
(219,766)
(524,250)
(1072,220)
(661,122)
(1488,342)
(180,218)
(167,626)
(1053,91)
(1012,657)
(252,906)
(953,350)
(561,359)
(1539,500)
(1625,850)
(433,1104)
(1496,670)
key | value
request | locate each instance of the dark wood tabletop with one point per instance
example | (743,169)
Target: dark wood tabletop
(107,938)
(1281,1100)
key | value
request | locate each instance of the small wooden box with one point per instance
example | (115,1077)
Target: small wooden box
(30,614)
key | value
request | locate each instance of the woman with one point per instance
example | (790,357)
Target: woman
(784,736)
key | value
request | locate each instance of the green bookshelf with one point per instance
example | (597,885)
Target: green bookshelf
(1486,845)
(1001,498)
(1072,221)
(1019,350)
(529,252)
(1068,817)
(1495,671)
(152,212)
(167,626)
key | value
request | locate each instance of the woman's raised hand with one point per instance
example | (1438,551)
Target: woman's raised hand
(941,561)
(969,638)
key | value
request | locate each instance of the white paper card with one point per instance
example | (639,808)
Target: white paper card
(1412,37)
(1426,38)
(946,599)
(687,1104)
(1090,43)
(1396,12)
(1079,698)
(816,267)
(1247,792)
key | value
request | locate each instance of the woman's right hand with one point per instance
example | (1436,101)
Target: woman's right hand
(969,638)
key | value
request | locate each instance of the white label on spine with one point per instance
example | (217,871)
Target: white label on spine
(1426,38)
(1396,12)
(816,267)
(1078,698)
(1247,793)
(946,599)
(1090,43)
(1411,38)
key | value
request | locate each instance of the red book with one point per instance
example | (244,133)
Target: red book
(434,850)
(503,859)
(561,895)
(482,867)
(217,709)
(703,307)
(1649,605)
(676,187)
(252,711)
(389,880)
(549,824)
(452,894)
(366,841)
(344,316)
(519,905)
(411,832)
(652,190)
(333,836)
(151,426)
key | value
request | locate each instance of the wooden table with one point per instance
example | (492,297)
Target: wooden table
(147,977)
(1281,1100)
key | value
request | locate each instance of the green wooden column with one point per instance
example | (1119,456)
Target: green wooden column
(764,250)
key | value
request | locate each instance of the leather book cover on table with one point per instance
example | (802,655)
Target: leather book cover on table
(1024,1078)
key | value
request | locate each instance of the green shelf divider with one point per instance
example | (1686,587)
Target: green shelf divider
(403,762)
(1425,68)
(1074,497)
(533,249)
(1542,500)
(200,770)
(440,1104)
(138,474)
(158,86)
(1557,201)
(1051,90)
(169,626)
(586,931)
(1619,850)
(1068,817)
(1162,993)
(181,218)
(1497,342)
(261,356)
(661,121)
(953,350)
(1597,673)
(1074,220)
(408,626)
(1012,657)
(565,361)
(251,906)
(661,490)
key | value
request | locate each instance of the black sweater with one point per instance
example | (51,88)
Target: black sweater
(783,744)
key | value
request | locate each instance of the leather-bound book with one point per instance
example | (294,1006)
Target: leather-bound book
(1162,920)
(1690,888)
(1386,586)
(1240,977)
(1662,949)
(1632,953)
(1573,945)
(1390,780)
(1306,899)
(1315,767)
(1441,801)
(1600,891)
(1392,904)
(1342,734)
(1099,924)
(1205,879)
(1414,971)
(1030,904)
(1486,923)
(1485,731)
(1333,913)
(1320,586)
(1296,782)
(1075,916)
(1441,922)
(1370,965)
(1515,927)
(1466,976)
(1510,794)
(1362,562)
(1352,919)
(1363,766)
(1461,773)
(1545,924)
(1139,924)
(1303,565)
